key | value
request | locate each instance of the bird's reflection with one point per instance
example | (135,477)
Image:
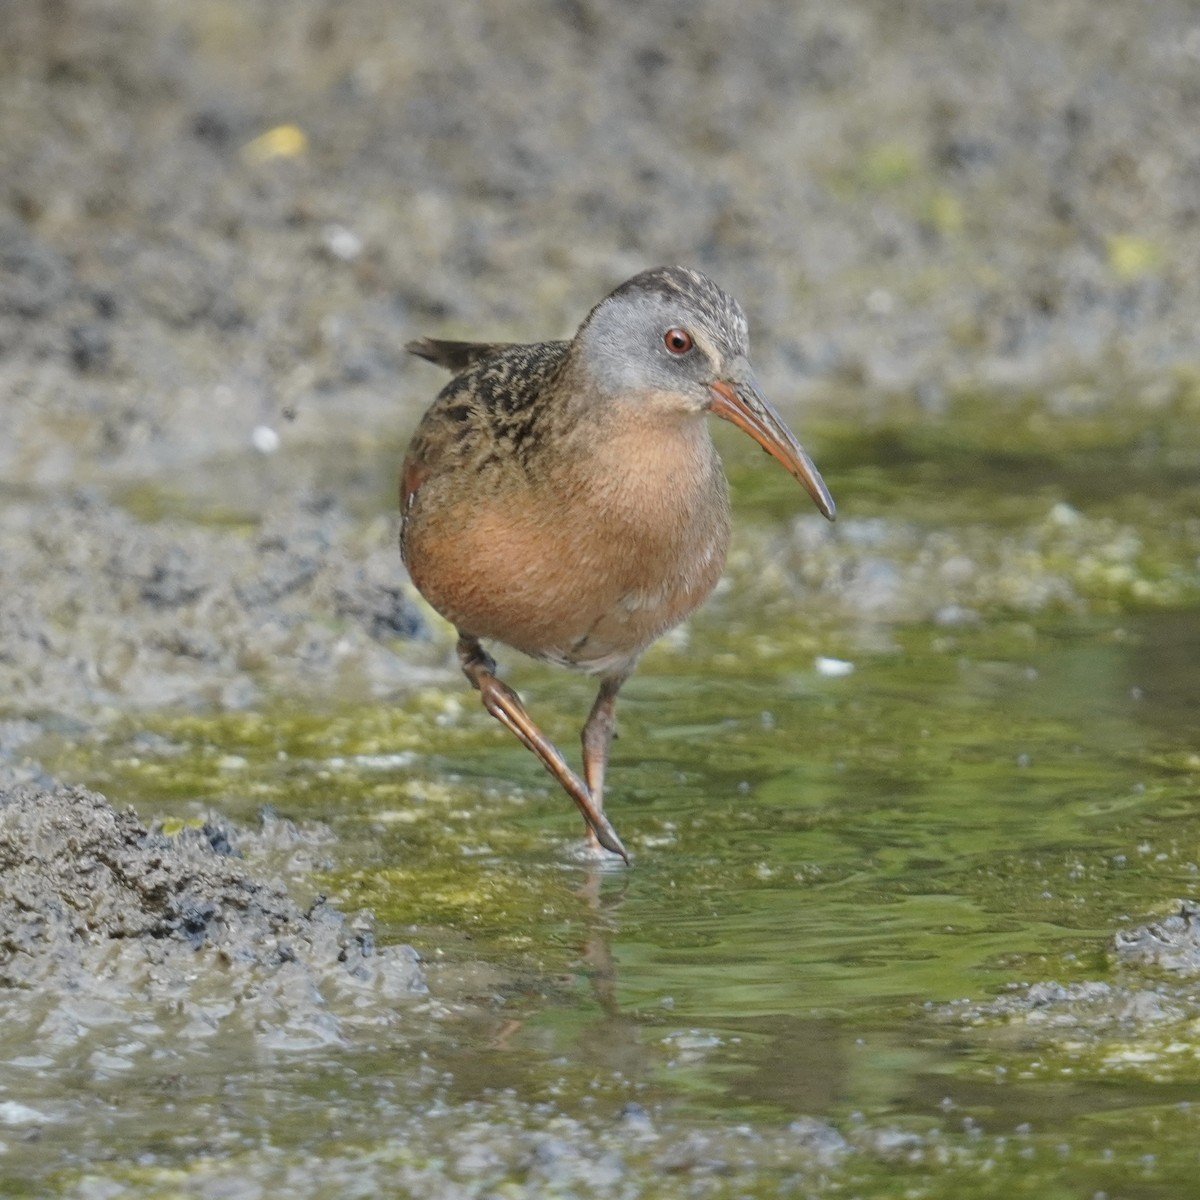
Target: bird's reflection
(599,912)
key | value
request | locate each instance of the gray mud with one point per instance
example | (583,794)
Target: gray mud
(117,935)
(104,610)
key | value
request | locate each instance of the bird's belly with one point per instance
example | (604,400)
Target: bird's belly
(638,615)
(586,595)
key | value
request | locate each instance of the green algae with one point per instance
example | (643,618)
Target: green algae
(983,810)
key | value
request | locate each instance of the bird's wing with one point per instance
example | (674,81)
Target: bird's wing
(488,418)
(456,356)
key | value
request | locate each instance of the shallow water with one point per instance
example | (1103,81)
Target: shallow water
(817,859)
(825,859)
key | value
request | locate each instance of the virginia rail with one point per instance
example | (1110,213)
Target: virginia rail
(565,498)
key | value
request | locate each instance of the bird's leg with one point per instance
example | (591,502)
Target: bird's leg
(505,705)
(597,741)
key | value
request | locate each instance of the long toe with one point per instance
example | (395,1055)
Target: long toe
(606,835)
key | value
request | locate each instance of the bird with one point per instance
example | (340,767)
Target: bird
(565,498)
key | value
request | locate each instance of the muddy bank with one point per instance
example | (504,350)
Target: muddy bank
(102,610)
(120,945)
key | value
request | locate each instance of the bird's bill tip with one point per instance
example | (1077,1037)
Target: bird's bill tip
(743,405)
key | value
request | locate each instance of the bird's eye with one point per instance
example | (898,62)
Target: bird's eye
(678,341)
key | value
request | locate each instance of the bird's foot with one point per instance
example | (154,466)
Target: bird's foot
(603,837)
(588,852)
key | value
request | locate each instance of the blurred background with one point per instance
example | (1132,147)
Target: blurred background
(214,213)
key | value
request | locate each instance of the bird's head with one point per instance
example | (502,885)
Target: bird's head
(672,339)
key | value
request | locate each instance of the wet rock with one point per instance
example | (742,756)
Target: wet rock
(636,1122)
(106,923)
(1172,944)
(1049,994)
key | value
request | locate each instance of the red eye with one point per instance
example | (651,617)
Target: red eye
(678,341)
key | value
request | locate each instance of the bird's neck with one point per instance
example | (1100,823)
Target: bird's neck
(641,457)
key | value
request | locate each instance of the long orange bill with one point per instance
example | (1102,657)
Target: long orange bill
(743,405)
